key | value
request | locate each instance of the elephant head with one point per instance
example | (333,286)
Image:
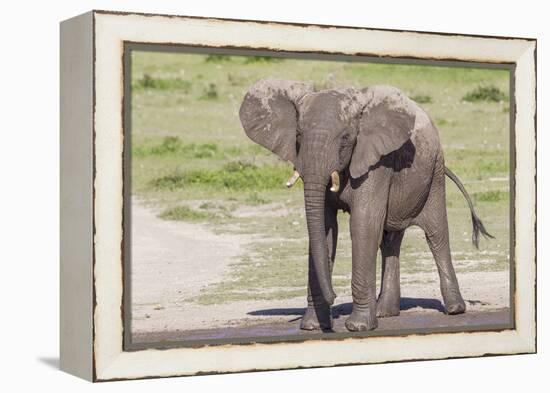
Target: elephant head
(323,134)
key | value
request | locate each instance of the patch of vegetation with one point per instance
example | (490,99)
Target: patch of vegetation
(150,82)
(210,92)
(223,295)
(485,93)
(422,98)
(208,205)
(170,144)
(262,59)
(441,121)
(235,80)
(491,196)
(185,213)
(255,199)
(217,58)
(237,166)
(237,175)
(173,145)
(218,208)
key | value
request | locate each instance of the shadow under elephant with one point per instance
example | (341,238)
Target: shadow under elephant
(407,303)
(429,314)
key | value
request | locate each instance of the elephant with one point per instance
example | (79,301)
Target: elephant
(375,154)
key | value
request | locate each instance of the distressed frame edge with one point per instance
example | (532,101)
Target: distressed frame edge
(304,24)
(525,223)
(527,340)
(76,196)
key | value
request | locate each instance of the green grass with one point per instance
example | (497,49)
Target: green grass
(173,145)
(485,93)
(255,199)
(207,212)
(154,83)
(217,58)
(185,213)
(422,98)
(491,196)
(261,59)
(210,92)
(191,157)
(477,164)
(235,175)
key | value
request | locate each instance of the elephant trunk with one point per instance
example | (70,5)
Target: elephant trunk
(314,195)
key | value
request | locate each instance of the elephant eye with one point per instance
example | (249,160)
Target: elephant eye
(346,139)
(347,143)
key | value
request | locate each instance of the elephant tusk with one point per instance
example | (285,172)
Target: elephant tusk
(335,181)
(292,179)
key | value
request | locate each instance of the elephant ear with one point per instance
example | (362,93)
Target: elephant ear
(386,123)
(269,115)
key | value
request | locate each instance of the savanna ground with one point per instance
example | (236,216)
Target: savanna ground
(218,241)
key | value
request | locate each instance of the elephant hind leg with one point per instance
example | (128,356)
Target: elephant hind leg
(438,240)
(433,220)
(388,303)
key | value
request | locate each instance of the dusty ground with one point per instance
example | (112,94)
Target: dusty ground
(173,260)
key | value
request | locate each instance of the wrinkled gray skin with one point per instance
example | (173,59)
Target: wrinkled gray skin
(390,163)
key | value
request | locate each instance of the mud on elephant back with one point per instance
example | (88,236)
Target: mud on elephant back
(375,154)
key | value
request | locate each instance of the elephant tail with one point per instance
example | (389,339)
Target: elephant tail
(476,222)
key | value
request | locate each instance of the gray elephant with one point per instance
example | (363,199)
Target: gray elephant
(375,154)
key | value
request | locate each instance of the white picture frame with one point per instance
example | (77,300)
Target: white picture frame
(92,193)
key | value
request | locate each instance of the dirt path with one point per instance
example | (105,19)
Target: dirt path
(172,261)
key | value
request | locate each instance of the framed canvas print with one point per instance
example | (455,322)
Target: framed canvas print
(245,195)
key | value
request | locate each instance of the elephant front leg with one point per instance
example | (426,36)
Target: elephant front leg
(366,232)
(318,315)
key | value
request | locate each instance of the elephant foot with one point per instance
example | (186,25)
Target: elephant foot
(454,308)
(454,304)
(317,318)
(388,305)
(362,318)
